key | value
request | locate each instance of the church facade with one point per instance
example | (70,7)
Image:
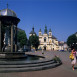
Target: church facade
(47,40)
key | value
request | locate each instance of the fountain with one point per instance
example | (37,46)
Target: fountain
(8,34)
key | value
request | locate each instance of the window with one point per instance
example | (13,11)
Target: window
(44,39)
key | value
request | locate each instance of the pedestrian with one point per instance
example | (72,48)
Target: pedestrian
(42,51)
(73,61)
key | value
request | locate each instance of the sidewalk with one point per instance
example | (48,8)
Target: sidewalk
(64,70)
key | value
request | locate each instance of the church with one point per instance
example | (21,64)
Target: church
(47,40)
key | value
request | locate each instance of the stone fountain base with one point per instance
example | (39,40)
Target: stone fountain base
(12,55)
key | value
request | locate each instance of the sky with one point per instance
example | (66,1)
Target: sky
(59,15)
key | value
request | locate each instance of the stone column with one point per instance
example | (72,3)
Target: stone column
(16,38)
(12,38)
(0,36)
(9,38)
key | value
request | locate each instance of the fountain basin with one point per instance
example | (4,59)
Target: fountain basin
(12,55)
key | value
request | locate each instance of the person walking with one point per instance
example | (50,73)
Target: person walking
(42,51)
(73,62)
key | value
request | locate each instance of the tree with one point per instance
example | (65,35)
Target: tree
(21,37)
(34,41)
(72,41)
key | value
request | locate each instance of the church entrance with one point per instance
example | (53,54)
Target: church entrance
(53,48)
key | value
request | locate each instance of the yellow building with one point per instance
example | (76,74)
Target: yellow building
(47,40)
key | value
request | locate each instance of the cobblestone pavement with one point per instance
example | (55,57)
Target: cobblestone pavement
(65,70)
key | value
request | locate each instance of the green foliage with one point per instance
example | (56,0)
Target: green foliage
(34,41)
(22,39)
(57,59)
(72,41)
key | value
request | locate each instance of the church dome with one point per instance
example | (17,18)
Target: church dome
(7,12)
(32,32)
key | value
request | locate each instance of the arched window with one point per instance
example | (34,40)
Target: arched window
(44,39)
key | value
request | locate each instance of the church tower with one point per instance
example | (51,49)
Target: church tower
(40,33)
(47,40)
(50,32)
(45,30)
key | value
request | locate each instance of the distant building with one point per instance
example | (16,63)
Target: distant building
(32,32)
(63,46)
(47,40)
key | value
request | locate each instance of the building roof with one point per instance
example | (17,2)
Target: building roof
(61,43)
(7,12)
(32,32)
(53,37)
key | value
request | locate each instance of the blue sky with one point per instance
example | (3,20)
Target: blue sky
(59,15)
